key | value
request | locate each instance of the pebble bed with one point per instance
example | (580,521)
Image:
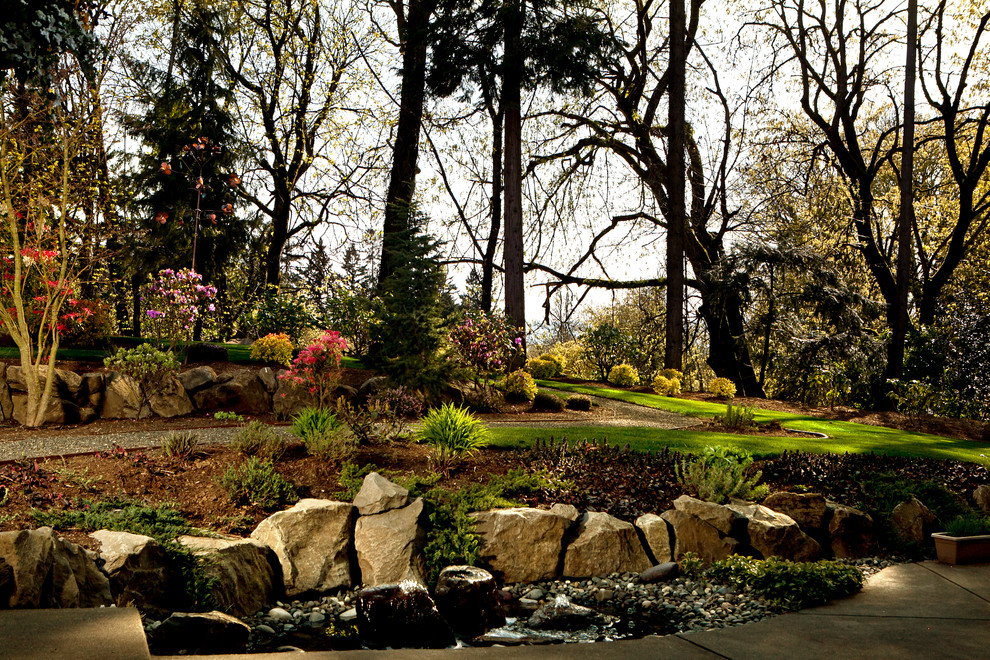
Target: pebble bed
(631,609)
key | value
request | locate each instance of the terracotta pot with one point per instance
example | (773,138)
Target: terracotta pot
(962,549)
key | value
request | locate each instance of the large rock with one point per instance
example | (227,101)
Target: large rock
(603,545)
(521,544)
(6,403)
(389,546)
(246,571)
(692,534)
(773,534)
(981,497)
(122,398)
(806,509)
(44,571)
(172,401)
(243,393)
(312,541)
(141,574)
(378,494)
(656,532)
(722,518)
(268,379)
(57,411)
(66,383)
(207,633)
(401,616)
(466,597)
(198,378)
(851,532)
(913,521)
(290,398)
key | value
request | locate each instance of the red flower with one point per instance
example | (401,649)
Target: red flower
(165,168)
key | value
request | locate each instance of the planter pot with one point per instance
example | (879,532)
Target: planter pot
(962,549)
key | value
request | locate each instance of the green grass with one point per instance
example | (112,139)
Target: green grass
(842,436)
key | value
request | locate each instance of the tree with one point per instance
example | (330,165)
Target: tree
(34,34)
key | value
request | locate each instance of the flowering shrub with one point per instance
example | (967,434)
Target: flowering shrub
(722,387)
(172,302)
(85,323)
(484,343)
(273,348)
(520,384)
(666,386)
(624,375)
(318,366)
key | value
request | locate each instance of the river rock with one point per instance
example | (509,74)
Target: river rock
(656,532)
(44,571)
(389,545)
(312,541)
(773,534)
(378,494)
(603,545)
(561,614)
(246,571)
(851,532)
(141,574)
(806,509)
(692,534)
(401,616)
(466,597)
(521,544)
(206,633)
(663,572)
(913,521)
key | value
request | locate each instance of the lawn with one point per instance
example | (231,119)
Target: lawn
(842,436)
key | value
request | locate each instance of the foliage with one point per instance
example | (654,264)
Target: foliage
(571,356)
(542,368)
(87,324)
(639,318)
(309,422)
(318,366)
(259,439)
(35,34)
(672,374)
(153,370)
(173,301)
(623,375)
(355,313)
(382,417)
(882,491)
(277,311)
(605,346)
(579,402)
(737,418)
(722,387)
(256,482)
(485,343)
(665,386)
(273,348)
(452,433)
(973,524)
(227,416)
(324,434)
(791,585)
(914,398)
(179,444)
(520,385)
(719,473)
(547,401)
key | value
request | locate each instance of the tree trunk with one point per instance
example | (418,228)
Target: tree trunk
(488,261)
(280,234)
(515,305)
(675,189)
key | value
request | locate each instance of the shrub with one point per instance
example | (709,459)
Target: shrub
(624,375)
(520,385)
(541,368)
(404,403)
(791,585)
(259,439)
(273,348)
(318,366)
(256,482)
(559,361)
(579,402)
(179,444)
(548,402)
(485,343)
(87,324)
(720,473)
(605,346)
(172,303)
(452,433)
(665,386)
(335,446)
(738,418)
(152,369)
(277,311)
(672,374)
(722,387)
(972,524)
(227,416)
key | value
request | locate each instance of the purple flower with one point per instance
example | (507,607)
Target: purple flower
(518,341)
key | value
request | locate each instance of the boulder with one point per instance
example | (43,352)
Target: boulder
(378,494)
(290,398)
(246,571)
(268,379)
(603,545)
(90,398)
(198,378)
(981,497)
(401,616)
(44,571)
(372,385)
(66,385)
(467,598)
(6,403)
(561,614)
(141,574)
(568,511)
(773,534)
(173,401)
(722,518)
(56,412)
(662,572)
(806,509)
(122,398)
(243,393)
(521,544)
(656,532)
(389,546)
(692,534)
(207,633)
(851,532)
(312,542)
(913,521)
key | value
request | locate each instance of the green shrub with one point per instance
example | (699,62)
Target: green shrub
(256,482)
(623,375)
(273,348)
(335,446)
(738,418)
(259,439)
(791,585)
(152,369)
(579,402)
(179,444)
(547,402)
(310,421)
(453,434)
(720,473)
(521,385)
(542,368)
(972,524)
(277,311)
(227,416)
(722,387)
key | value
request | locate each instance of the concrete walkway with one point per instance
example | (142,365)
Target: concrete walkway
(906,611)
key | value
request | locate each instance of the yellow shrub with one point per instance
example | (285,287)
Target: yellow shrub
(722,387)
(672,374)
(665,386)
(541,368)
(624,375)
(521,384)
(273,348)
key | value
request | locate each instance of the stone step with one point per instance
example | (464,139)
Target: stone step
(105,633)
